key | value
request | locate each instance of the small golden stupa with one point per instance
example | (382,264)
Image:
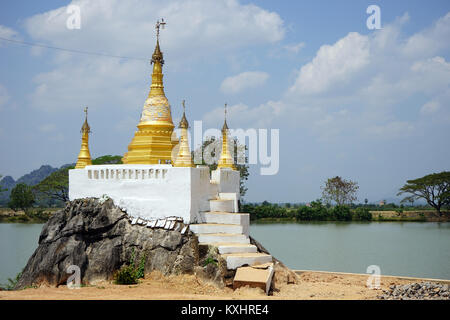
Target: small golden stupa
(84,157)
(154,140)
(184,158)
(225,160)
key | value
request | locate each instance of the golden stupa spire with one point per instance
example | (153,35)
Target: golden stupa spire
(84,157)
(184,158)
(226,160)
(153,142)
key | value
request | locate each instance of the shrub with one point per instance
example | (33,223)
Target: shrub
(342,213)
(363,214)
(126,275)
(129,274)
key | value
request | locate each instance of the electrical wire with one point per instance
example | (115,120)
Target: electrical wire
(71,50)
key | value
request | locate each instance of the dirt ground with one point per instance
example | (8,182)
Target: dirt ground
(312,285)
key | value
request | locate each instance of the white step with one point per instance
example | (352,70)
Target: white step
(221,205)
(234,247)
(216,228)
(236,260)
(225,217)
(222,237)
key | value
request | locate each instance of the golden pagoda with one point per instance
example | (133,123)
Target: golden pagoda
(154,139)
(226,160)
(184,158)
(84,157)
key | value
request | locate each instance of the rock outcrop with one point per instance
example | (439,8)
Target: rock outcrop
(97,236)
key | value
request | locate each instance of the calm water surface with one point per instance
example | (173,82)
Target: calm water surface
(17,243)
(400,248)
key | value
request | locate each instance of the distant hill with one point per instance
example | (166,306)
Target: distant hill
(36,176)
(32,178)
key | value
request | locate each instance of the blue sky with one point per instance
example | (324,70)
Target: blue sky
(369,105)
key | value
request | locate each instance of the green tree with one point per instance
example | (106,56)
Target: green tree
(434,188)
(107,159)
(363,214)
(340,191)
(55,186)
(21,197)
(342,213)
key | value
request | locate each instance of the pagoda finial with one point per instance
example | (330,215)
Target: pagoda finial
(157,54)
(225,125)
(84,157)
(158,25)
(184,158)
(184,123)
(225,160)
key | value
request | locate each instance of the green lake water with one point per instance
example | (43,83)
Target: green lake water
(399,248)
(412,249)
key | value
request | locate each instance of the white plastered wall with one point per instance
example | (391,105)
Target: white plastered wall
(153,191)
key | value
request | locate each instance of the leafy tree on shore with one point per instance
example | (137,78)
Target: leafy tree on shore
(55,186)
(340,191)
(21,197)
(434,188)
(107,159)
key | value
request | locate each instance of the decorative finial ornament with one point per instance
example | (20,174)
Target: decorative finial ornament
(84,157)
(184,158)
(225,160)
(157,54)
(225,125)
(184,124)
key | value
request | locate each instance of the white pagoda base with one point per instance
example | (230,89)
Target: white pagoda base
(156,191)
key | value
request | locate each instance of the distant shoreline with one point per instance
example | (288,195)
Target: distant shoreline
(41,215)
(35,215)
(378,216)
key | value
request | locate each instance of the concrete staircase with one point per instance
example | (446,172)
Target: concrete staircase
(228,231)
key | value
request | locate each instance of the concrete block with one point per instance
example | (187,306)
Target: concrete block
(254,277)
(236,260)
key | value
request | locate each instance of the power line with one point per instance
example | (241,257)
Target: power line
(31,44)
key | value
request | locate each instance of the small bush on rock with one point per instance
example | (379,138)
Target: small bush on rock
(126,275)
(129,274)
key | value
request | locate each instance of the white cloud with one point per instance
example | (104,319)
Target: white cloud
(333,64)
(365,86)
(194,27)
(294,47)
(424,43)
(430,107)
(241,115)
(243,81)
(92,82)
(8,33)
